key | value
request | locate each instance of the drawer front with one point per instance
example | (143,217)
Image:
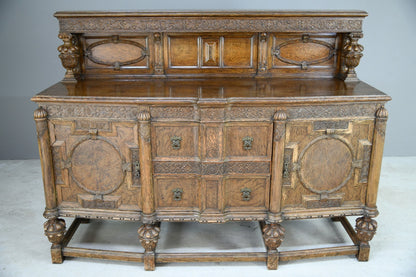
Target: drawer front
(248,140)
(249,192)
(176,192)
(171,141)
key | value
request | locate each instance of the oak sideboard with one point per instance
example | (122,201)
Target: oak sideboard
(210,117)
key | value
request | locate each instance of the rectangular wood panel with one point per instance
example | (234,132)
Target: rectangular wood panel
(239,52)
(183,51)
(211,53)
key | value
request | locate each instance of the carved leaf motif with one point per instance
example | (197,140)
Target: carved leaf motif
(135,24)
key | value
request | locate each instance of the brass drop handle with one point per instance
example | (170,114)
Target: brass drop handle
(245,194)
(176,142)
(177,194)
(247,143)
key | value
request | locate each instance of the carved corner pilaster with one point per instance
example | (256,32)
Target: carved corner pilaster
(351,55)
(55,230)
(40,114)
(279,131)
(382,113)
(70,57)
(273,235)
(366,228)
(149,236)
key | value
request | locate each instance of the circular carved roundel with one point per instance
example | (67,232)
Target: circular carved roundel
(325,164)
(97,166)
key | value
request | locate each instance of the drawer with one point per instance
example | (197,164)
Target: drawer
(176,192)
(247,192)
(179,140)
(248,140)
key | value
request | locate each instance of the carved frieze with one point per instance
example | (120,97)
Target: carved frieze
(124,112)
(330,111)
(251,113)
(211,168)
(189,24)
(174,113)
(176,167)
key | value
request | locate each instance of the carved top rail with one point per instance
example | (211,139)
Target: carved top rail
(287,44)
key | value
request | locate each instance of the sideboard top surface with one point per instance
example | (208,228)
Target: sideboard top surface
(221,13)
(212,90)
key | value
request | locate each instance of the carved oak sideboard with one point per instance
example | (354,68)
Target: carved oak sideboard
(210,117)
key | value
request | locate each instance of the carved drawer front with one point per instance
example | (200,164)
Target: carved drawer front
(246,192)
(176,192)
(173,141)
(248,140)
(326,163)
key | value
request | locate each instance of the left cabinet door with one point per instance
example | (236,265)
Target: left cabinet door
(96,164)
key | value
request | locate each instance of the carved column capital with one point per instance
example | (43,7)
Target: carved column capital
(351,54)
(280,116)
(143,116)
(40,114)
(70,56)
(382,113)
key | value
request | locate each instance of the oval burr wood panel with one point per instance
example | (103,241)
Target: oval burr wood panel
(111,52)
(304,51)
(97,166)
(325,164)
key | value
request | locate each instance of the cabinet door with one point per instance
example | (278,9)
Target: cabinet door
(96,164)
(326,164)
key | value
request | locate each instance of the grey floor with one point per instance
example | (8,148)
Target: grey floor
(24,251)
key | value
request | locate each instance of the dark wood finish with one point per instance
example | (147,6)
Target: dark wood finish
(210,117)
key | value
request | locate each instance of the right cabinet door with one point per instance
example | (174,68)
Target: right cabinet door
(326,164)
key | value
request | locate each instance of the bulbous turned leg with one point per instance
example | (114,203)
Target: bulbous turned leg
(55,231)
(366,229)
(149,235)
(273,235)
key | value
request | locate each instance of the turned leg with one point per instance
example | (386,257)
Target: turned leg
(365,228)
(149,235)
(55,230)
(273,235)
